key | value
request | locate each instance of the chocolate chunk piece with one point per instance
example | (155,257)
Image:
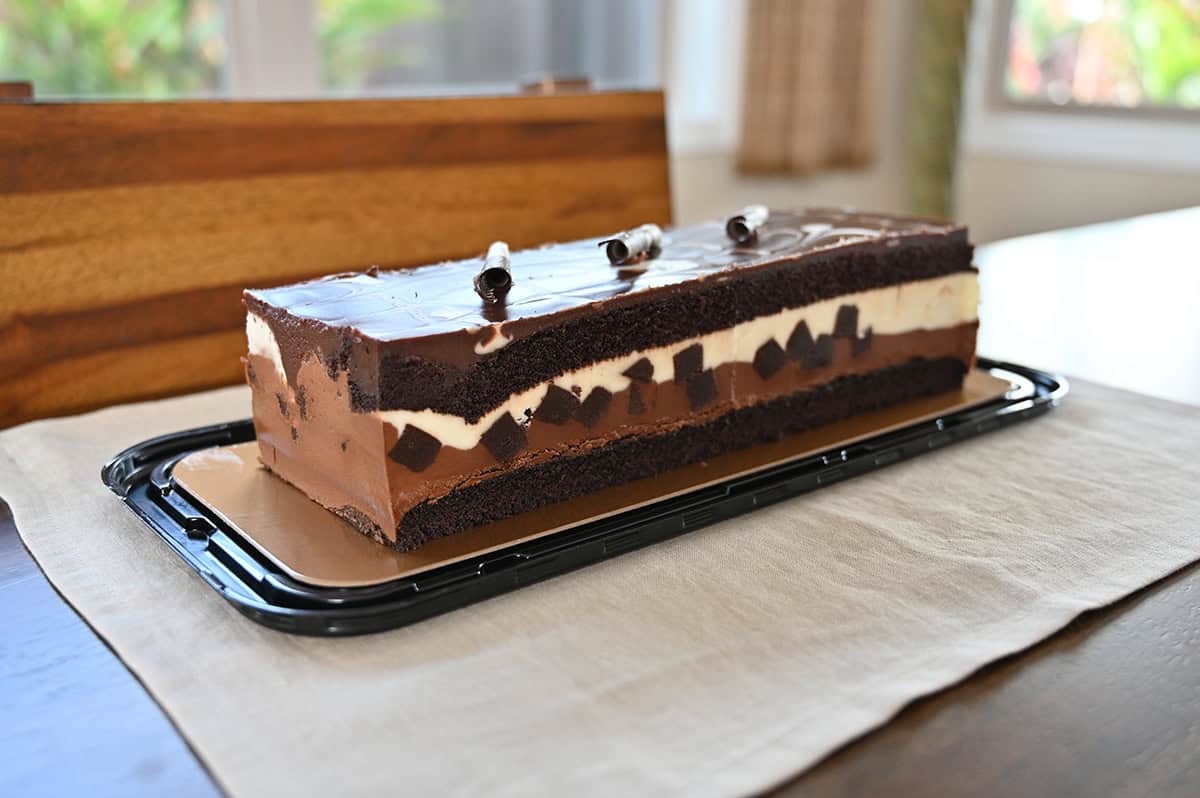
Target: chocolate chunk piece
(800,343)
(637,405)
(504,438)
(769,359)
(688,362)
(416,449)
(863,344)
(821,353)
(846,323)
(593,407)
(702,389)
(642,371)
(558,406)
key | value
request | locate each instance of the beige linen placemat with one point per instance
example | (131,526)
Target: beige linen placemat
(719,663)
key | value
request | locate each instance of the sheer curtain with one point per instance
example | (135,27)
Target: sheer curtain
(808,99)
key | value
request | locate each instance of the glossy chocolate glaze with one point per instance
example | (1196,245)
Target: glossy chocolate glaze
(396,331)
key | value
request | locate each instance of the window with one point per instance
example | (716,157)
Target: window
(115,48)
(1126,54)
(413,45)
(1112,82)
(311,48)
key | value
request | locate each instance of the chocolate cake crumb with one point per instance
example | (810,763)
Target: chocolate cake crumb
(283,406)
(359,520)
(302,402)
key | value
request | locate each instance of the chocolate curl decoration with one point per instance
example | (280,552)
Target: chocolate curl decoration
(495,278)
(634,245)
(743,228)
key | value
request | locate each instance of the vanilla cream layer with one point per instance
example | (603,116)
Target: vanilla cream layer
(937,303)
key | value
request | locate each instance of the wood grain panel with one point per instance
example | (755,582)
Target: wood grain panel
(287,226)
(130,229)
(109,376)
(201,141)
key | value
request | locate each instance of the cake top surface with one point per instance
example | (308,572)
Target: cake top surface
(441,298)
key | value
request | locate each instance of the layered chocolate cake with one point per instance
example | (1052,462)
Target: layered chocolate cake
(420,402)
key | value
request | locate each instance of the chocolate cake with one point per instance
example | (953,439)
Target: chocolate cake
(420,402)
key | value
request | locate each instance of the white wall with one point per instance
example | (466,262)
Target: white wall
(1002,197)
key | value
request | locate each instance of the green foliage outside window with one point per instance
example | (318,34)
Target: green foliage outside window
(154,49)
(114,48)
(1121,53)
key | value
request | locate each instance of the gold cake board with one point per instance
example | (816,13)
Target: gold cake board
(314,546)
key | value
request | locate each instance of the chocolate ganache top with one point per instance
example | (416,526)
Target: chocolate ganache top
(439,301)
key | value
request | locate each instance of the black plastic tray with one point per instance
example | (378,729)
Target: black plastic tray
(141,476)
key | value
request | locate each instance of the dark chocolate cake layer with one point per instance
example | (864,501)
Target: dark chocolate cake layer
(423,339)
(562,478)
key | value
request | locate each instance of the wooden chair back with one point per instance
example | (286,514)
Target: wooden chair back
(128,230)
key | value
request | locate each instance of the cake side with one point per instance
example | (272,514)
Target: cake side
(401,474)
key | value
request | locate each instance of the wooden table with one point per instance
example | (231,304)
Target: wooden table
(1108,706)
